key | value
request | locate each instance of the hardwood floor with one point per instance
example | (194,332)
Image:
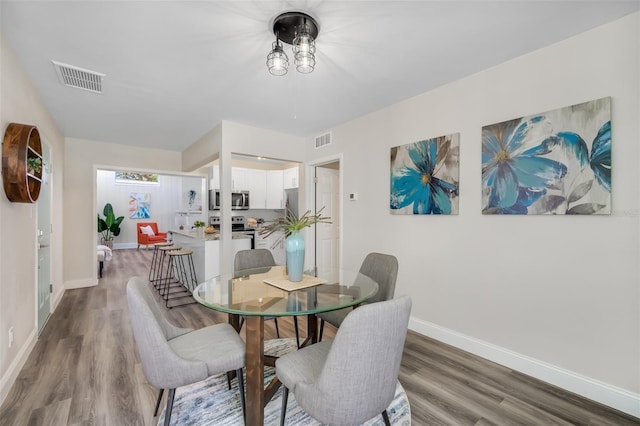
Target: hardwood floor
(84,370)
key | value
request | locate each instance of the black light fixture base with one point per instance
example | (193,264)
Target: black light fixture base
(286,24)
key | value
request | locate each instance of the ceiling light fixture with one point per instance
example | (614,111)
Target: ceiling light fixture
(299,30)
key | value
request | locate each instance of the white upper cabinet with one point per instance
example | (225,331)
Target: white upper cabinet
(266,187)
(255,182)
(239,178)
(290,178)
(275,191)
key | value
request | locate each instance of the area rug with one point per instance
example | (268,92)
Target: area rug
(210,402)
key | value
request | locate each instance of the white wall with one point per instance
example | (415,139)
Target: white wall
(204,150)
(82,159)
(19,102)
(556,296)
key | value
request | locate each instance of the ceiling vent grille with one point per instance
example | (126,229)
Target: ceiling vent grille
(78,77)
(323,140)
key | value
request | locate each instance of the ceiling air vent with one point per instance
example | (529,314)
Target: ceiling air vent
(79,77)
(323,140)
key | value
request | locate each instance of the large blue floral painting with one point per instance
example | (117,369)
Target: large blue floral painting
(558,162)
(425,176)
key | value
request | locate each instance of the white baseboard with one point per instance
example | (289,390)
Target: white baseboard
(612,396)
(121,246)
(68,285)
(56,298)
(9,378)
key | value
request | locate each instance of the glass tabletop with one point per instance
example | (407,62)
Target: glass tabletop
(267,292)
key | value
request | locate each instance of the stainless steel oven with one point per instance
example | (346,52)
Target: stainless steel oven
(238,225)
(239,200)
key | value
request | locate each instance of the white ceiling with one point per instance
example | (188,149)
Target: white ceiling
(175,69)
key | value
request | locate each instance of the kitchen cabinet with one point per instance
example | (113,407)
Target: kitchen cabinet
(255,182)
(206,251)
(290,178)
(275,190)
(239,178)
(268,243)
(265,186)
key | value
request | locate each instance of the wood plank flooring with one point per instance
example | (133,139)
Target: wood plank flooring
(84,370)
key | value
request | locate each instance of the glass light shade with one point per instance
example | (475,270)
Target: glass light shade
(277,60)
(304,49)
(305,63)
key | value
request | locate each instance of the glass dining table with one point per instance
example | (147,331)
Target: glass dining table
(267,292)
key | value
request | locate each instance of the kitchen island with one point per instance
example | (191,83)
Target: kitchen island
(206,250)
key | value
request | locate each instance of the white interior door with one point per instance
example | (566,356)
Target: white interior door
(328,235)
(44,238)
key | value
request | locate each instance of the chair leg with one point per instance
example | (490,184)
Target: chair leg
(155,413)
(295,326)
(167,414)
(275,321)
(240,377)
(385,416)
(283,410)
(321,330)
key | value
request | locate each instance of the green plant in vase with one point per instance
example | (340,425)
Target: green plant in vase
(199,227)
(109,226)
(291,225)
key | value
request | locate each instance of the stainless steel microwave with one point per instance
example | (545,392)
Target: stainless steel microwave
(239,200)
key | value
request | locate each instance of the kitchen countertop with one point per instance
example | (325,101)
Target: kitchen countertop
(207,237)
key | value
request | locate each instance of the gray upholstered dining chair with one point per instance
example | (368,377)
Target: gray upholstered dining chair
(383,269)
(172,356)
(259,258)
(353,378)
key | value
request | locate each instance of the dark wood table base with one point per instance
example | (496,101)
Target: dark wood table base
(257,396)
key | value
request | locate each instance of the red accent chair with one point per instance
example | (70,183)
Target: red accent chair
(147,239)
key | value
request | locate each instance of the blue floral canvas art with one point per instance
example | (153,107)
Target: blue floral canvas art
(557,162)
(425,176)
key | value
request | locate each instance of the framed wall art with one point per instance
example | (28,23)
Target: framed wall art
(139,204)
(425,176)
(557,162)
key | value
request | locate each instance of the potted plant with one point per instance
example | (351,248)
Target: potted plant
(34,165)
(109,227)
(199,225)
(291,225)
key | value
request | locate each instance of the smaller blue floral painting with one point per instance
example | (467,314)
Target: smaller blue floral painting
(139,203)
(425,176)
(557,162)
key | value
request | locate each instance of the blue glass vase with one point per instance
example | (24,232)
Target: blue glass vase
(294,248)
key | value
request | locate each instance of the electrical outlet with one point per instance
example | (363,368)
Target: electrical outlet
(11,337)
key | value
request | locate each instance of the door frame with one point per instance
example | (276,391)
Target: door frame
(37,243)
(310,198)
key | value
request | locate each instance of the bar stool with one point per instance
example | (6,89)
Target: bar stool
(155,262)
(162,267)
(180,268)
